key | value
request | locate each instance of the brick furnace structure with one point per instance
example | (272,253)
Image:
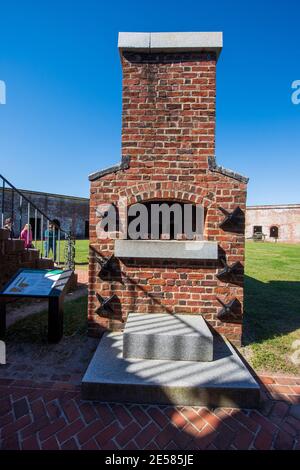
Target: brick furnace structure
(168,148)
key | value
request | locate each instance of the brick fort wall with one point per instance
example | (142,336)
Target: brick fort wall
(285,217)
(72,212)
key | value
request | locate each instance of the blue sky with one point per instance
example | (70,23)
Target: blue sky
(61,66)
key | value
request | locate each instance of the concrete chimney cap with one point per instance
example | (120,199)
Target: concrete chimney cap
(171,42)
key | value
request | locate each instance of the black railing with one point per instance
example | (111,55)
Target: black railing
(49,232)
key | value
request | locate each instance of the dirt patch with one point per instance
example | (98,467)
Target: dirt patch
(65,361)
(21,309)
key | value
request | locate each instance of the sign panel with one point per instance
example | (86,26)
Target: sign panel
(33,282)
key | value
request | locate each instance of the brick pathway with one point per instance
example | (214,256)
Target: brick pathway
(83,275)
(51,415)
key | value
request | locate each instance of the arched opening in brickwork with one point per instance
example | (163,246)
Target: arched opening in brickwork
(274,231)
(257,229)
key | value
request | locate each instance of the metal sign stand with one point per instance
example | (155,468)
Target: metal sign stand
(55,304)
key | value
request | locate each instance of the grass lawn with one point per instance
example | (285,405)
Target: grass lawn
(272,307)
(81,252)
(34,327)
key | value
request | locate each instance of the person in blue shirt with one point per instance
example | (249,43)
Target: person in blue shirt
(50,242)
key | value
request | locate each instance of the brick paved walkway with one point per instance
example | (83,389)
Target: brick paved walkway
(51,415)
(83,275)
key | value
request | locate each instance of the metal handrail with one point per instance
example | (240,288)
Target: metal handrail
(70,258)
(29,201)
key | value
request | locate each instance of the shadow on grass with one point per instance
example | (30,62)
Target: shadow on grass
(33,328)
(272,309)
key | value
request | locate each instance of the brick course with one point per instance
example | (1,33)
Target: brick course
(168,132)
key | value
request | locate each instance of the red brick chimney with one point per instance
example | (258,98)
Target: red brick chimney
(169,96)
(168,148)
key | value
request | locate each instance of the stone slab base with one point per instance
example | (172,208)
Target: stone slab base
(225,381)
(165,336)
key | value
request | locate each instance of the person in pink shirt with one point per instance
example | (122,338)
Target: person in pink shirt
(26,235)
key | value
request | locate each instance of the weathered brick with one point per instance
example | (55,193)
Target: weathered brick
(263,440)
(68,431)
(127,434)
(52,429)
(90,431)
(107,434)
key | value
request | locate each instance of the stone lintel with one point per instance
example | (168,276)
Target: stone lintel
(167,249)
(171,42)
